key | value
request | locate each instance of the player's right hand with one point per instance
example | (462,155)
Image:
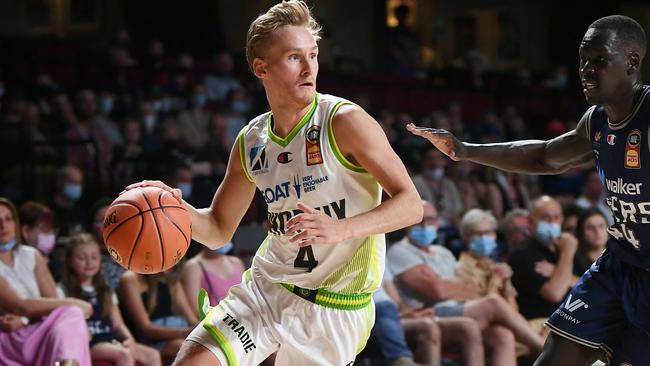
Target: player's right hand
(443,140)
(156,183)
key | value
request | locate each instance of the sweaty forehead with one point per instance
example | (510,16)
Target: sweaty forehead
(596,38)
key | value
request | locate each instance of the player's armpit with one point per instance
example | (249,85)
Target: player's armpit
(361,140)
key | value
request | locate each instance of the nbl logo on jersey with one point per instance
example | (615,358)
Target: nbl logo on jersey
(633,150)
(312,145)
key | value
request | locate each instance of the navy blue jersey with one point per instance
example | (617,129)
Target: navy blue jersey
(622,154)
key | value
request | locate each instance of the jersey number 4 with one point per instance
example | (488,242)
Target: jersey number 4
(305,259)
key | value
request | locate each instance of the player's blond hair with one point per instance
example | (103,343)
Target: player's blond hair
(292,12)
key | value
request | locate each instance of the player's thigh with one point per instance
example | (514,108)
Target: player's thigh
(324,336)
(562,351)
(240,329)
(192,353)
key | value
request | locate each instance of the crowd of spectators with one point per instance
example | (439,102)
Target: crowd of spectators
(493,257)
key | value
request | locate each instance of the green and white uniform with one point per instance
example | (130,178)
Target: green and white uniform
(292,298)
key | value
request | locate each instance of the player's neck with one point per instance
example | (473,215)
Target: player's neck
(286,116)
(623,106)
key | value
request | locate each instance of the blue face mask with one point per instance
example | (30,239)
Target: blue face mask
(106,105)
(546,231)
(186,189)
(72,191)
(239,106)
(423,235)
(200,101)
(483,245)
(224,249)
(5,247)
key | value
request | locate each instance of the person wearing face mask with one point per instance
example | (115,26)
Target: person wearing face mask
(38,225)
(194,122)
(434,186)
(543,264)
(68,206)
(215,270)
(31,315)
(428,274)
(478,229)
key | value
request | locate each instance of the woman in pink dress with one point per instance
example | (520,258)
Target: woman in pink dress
(36,328)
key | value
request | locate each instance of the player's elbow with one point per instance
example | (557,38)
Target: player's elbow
(413,211)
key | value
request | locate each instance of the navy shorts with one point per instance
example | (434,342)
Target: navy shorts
(609,308)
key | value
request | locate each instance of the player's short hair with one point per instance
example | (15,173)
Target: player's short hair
(292,12)
(628,31)
(473,217)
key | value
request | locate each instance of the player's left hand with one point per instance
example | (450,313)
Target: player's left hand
(314,227)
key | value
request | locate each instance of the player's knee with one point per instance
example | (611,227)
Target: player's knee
(192,353)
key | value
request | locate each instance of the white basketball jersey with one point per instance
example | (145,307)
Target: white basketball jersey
(307,166)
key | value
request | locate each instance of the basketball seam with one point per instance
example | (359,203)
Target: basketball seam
(160,239)
(140,213)
(174,223)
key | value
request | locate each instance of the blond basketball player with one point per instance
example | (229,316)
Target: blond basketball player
(320,162)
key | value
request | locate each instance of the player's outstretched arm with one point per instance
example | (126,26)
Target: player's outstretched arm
(362,141)
(553,156)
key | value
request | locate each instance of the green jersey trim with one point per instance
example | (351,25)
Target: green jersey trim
(335,148)
(221,340)
(303,121)
(338,301)
(242,152)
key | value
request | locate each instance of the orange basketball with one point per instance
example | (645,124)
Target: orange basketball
(147,230)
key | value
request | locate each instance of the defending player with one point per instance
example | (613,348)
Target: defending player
(607,314)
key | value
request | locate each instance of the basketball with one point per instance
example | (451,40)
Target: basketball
(147,230)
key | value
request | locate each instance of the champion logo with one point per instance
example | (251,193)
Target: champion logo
(611,139)
(572,306)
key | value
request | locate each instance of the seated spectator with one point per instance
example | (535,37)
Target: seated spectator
(67,205)
(111,270)
(516,229)
(427,274)
(213,270)
(592,238)
(111,341)
(420,328)
(543,264)
(593,195)
(156,310)
(478,229)
(434,186)
(571,213)
(129,163)
(49,330)
(391,332)
(38,230)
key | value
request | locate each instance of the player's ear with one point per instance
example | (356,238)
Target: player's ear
(259,68)
(633,62)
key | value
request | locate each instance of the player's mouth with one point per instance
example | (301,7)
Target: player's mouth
(307,84)
(588,85)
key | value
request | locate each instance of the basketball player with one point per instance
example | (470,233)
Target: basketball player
(607,314)
(320,162)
